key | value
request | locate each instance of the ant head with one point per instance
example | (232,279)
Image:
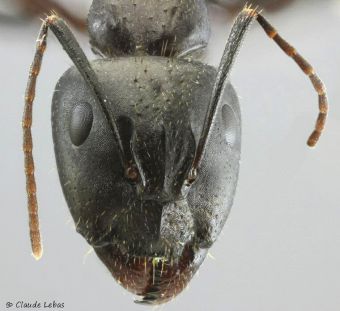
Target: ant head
(166,28)
(148,226)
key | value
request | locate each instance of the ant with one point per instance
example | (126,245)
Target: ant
(147,140)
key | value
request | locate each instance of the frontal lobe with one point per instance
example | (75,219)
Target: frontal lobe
(168,27)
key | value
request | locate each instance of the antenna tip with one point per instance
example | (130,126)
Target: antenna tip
(37,254)
(313,139)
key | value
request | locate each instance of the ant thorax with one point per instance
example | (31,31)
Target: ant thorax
(148,27)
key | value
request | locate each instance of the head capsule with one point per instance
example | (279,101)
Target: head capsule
(165,28)
(152,231)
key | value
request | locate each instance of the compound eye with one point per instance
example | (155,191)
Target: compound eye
(231,125)
(81,123)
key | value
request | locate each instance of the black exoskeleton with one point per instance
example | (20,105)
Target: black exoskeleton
(147,140)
